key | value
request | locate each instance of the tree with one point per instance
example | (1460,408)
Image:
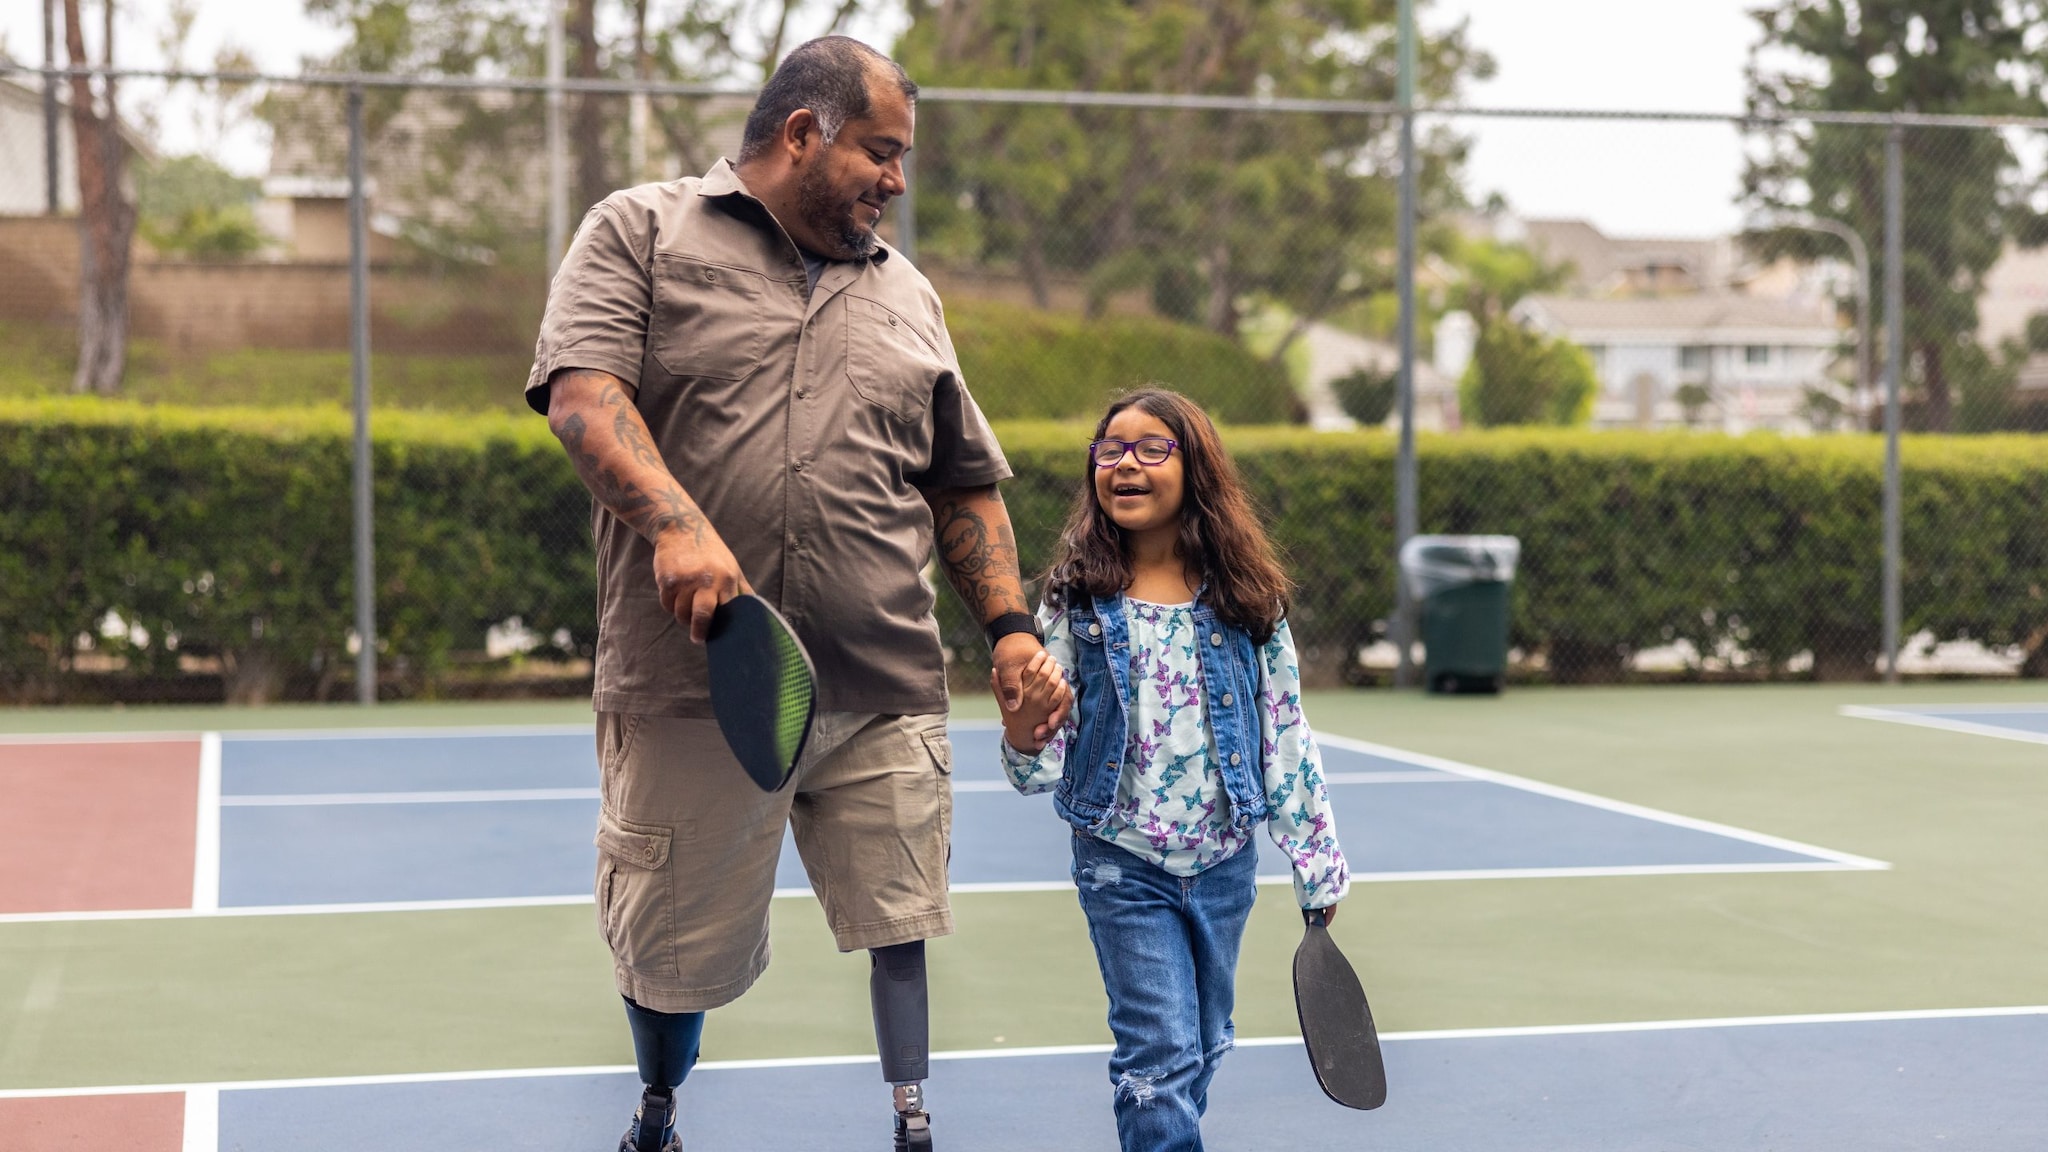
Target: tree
(106,217)
(1522,377)
(1966,196)
(191,206)
(1203,210)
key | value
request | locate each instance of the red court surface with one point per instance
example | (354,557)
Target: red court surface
(153,1122)
(98,826)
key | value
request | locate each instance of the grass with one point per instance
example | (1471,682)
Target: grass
(38,359)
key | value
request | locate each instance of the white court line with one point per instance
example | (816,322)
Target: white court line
(253,735)
(1922,709)
(480,903)
(206,839)
(478,796)
(202,1119)
(1944,724)
(1527,1031)
(1841,860)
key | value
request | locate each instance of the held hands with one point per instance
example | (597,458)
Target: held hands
(696,573)
(1031,690)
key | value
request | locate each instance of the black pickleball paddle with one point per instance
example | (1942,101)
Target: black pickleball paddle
(1336,1022)
(764,690)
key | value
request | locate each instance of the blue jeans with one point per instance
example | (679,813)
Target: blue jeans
(1167,946)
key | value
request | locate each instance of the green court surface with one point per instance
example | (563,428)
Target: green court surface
(1955,922)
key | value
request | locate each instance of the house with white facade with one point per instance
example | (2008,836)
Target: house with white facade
(1715,359)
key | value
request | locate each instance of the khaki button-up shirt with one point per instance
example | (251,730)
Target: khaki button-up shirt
(804,428)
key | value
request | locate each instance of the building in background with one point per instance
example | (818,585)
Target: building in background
(1712,360)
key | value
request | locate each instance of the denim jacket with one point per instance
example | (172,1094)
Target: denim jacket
(1230,693)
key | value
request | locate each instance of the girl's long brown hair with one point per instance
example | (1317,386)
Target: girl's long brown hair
(1220,537)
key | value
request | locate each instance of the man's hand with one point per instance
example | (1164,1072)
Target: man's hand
(1013,658)
(695,577)
(1043,695)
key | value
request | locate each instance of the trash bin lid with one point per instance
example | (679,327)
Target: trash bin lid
(1433,564)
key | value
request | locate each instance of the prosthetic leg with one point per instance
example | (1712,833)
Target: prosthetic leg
(896,988)
(665,1047)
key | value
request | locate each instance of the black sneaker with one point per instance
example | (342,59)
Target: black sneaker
(657,1113)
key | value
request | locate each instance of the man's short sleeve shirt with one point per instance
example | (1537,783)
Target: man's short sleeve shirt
(804,428)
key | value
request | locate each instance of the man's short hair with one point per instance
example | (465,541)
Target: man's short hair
(829,76)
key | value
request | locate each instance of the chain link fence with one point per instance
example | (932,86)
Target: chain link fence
(1718,513)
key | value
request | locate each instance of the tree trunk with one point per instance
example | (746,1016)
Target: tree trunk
(1222,316)
(592,185)
(106,220)
(1935,383)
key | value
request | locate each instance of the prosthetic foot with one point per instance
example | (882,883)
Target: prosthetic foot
(665,1047)
(896,990)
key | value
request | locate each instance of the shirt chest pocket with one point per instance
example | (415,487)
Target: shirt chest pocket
(707,319)
(888,362)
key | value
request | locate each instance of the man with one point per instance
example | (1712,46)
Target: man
(761,396)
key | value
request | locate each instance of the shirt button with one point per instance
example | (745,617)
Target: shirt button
(799,465)
(710,275)
(803,393)
(1095,629)
(1228,700)
(892,321)
(1234,758)
(1216,639)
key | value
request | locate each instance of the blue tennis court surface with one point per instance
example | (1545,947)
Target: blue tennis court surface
(395,819)
(1862,1084)
(2024,722)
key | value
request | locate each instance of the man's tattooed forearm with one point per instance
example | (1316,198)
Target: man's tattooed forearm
(649,513)
(980,558)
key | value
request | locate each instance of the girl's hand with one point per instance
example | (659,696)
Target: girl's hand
(1044,695)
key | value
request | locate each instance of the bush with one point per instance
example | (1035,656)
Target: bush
(1367,396)
(1026,364)
(1523,377)
(229,529)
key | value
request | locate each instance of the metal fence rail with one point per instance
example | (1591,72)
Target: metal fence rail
(1235,248)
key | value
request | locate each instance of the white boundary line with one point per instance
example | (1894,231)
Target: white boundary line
(297,909)
(477,796)
(202,1119)
(172,735)
(1919,720)
(1520,1032)
(206,839)
(1844,860)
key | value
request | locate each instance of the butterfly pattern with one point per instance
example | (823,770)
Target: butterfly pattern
(1171,807)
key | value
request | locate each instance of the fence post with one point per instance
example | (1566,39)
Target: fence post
(52,200)
(359,367)
(558,164)
(906,212)
(1894,367)
(1404,462)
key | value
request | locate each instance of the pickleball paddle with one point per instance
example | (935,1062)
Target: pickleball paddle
(764,690)
(1336,1022)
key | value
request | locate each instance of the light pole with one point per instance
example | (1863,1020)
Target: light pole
(1861,254)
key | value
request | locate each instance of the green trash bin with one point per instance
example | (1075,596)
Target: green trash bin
(1461,583)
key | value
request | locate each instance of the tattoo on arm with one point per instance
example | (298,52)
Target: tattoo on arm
(979,551)
(626,473)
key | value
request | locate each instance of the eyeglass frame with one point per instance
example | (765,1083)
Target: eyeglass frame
(1130,448)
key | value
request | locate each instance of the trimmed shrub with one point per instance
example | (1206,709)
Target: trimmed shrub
(229,531)
(1026,364)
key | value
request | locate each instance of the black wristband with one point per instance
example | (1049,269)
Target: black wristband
(1012,622)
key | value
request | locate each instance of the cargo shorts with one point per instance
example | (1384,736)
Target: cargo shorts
(687,847)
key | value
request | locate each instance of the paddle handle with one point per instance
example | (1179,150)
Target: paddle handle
(1316,917)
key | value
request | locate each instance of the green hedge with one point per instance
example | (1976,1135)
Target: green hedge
(1027,364)
(230,529)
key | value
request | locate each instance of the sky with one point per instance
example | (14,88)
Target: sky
(1629,179)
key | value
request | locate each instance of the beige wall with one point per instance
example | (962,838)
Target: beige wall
(207,307)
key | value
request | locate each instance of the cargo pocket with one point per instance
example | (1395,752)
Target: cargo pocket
(941,750)
(635,910)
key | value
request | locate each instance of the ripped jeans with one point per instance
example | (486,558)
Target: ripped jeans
(1167,946)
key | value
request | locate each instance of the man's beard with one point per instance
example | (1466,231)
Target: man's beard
(832,217)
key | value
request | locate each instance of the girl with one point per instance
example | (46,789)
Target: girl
(1166,610)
